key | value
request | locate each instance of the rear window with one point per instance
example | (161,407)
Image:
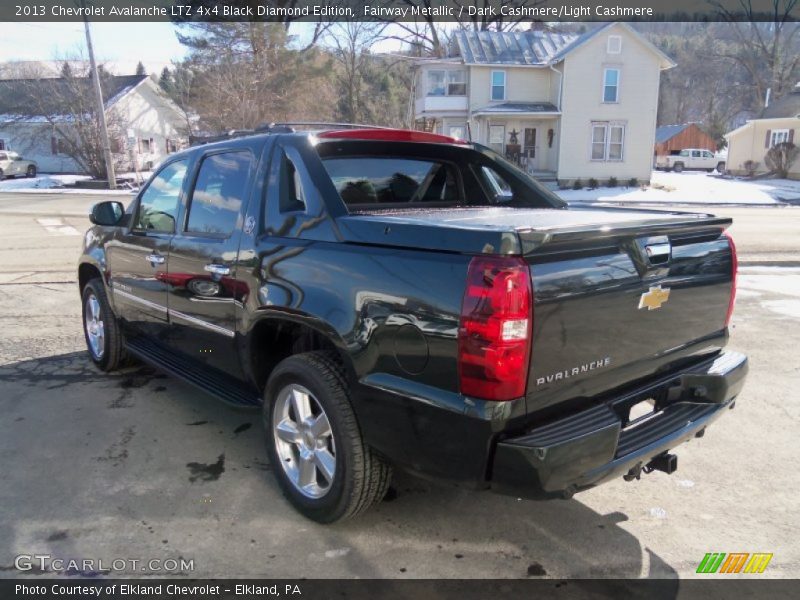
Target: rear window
(376,175)
(367,180)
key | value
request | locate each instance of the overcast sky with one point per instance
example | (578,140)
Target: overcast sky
(122,45)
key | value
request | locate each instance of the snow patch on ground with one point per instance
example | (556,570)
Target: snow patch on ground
(693,188)
(755,282)
(55,184)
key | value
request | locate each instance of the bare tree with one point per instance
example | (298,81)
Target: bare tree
(769,44)
(351,42)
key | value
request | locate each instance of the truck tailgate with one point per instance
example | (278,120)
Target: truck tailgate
(618,303)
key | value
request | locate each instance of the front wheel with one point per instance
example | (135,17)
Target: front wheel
(678,168)
(100,328)
(314,443)
(720,167)
(2,175)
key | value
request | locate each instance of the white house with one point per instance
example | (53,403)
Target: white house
(778,123)
(148,124)
(563,106)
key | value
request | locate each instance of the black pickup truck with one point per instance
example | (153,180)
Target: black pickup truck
(403,299)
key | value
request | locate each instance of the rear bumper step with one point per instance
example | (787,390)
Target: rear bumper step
(590,447)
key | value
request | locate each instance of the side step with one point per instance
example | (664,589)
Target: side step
(231,391)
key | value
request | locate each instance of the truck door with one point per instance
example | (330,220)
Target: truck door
(204,292)
(137,257)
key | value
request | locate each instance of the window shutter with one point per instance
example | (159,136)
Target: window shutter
(791,136)
(53,145)
(766,141)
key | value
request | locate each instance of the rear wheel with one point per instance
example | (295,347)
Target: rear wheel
(2,175)
(314,443)
(31,172)
(100,328)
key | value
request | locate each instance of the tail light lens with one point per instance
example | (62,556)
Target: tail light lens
(734,273)
(495,329)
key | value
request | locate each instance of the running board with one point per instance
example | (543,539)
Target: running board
(231,391)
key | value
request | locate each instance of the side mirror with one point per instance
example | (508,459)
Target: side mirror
(108,213)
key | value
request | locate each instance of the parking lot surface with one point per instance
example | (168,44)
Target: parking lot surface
(136,465)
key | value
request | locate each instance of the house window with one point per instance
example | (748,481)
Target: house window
(146,145)
(614,44)
(172,145)
(608,141)
(2,144)
(58,145)
(456,83)
(497,134)
(498,85)
(611,85)
(779,136)
(436,83)
(457,131)
(447,83)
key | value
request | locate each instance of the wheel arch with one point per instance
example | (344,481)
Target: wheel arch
(86,272)
(273,338)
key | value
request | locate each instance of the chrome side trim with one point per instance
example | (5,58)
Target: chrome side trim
(201,323)
(142,301)
(176,314)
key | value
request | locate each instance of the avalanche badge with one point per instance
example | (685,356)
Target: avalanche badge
(654,298)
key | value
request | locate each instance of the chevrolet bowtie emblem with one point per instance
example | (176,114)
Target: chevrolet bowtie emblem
(654,298)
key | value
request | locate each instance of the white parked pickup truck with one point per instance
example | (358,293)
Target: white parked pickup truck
(691,158)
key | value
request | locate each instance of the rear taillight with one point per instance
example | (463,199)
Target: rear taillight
(734,272)
(495,330)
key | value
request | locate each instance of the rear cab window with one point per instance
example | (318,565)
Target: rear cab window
(373,175)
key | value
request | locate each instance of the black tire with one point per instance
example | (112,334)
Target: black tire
(361,477)
(720,167)
(2,175)
(678,167)
(111,355)
(31,172)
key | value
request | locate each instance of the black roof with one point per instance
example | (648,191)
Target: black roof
(786,106)
(15,94)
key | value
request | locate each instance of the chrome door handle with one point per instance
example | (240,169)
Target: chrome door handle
(218,269)
(155,259)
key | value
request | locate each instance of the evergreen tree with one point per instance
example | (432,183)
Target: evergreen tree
(140,70)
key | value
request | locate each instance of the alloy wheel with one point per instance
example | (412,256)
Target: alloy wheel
(304,441)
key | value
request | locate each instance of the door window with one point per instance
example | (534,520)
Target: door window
(158,205)
(219,194)
(497,134)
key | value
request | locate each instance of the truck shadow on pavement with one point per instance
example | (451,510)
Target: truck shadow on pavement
(139,464)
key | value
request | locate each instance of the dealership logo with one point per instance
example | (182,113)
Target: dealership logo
(736,562)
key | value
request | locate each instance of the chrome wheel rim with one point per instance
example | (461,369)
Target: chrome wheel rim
(304,441)
(95,329)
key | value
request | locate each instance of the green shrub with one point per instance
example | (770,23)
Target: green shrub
(612,182)
(633,182)
(593,184)
(577,184)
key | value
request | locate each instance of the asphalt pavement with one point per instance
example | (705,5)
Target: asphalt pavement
(136,465)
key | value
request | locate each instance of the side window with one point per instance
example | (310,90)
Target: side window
(696,154)
(158,206)
(293,197)
(219,193)
(684,153)
(498,186)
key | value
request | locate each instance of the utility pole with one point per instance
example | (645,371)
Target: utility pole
(99,107)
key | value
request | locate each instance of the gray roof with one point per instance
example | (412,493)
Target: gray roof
(510,47)
(668,131)
(519,107)
(579,41)
(786,106)
(16,94)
